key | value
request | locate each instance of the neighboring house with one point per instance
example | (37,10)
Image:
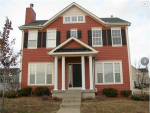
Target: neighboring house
(11,78)
(75,49)
(138,74)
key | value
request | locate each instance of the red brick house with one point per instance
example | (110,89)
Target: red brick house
(75,49)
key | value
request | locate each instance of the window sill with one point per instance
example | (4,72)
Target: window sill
(50,47)
(40,84)
(97,45)
(32,48)
(108,83)
(116,45)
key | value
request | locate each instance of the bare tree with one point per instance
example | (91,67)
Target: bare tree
(141,77)
(8,58)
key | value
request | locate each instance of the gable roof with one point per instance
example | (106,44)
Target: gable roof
(105,21)
(73,51)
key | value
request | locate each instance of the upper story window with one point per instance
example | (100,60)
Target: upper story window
(51,38)
(74,33)
(74,19)
(97,37)
(32,39)
(116,36)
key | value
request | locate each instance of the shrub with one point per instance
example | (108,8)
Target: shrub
(110,92)
(89,98)
(10,94)
(140,97)
(25,91)
(45,97)
(101,97)
(1,93)
(56,98)
(125,93)
(40,91)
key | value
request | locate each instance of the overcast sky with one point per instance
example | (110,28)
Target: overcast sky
(135,11)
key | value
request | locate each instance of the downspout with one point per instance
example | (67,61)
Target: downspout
(21,58)
(129,59)
(94,73)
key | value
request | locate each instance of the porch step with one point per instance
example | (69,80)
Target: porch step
(70,105)
(71,102)
(69,110)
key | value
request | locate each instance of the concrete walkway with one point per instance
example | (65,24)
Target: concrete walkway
(71,102)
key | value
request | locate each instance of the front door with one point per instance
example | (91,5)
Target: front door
(75,76)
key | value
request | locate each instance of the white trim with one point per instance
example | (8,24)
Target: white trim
(72,4)
(109,61)
(21,58)
(74,30)
(55,32)
(129,59)
(72,53)
(116,28)
(63,73)
(91,72)
(73,22)
(83,72)
(97,28)
(35,63)
(56,73)
(32,31)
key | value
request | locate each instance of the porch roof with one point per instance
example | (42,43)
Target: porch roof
(71,52)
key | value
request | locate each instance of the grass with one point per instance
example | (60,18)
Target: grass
(37,105)
(30,105)
(115,106)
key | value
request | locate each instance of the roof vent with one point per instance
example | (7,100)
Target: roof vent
(111,16)
(31,5)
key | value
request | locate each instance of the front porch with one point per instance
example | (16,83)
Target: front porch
(74,67)
(84,93)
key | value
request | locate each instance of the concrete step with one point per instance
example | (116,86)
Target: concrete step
(69,110)
(70,105)
(72,95)
(71,101)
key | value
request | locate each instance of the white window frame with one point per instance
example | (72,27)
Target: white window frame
(32,31)
(116,28)
(121,72)
(74,30)
(50,30)
(36,63)
(97,28)
(67,22)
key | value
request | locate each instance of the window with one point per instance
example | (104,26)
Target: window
(74,33)
(116,37)
(80,18)
(74,19)
(67,19)
(51,39)
(108,72)
(96,37)
(32,39)
(40,73)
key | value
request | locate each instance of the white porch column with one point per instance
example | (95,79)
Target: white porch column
(63,73)
(83,72)
(56,73)
(90,72)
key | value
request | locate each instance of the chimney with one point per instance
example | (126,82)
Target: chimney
(30,15)
(111,16)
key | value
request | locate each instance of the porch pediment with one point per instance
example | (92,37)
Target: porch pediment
(73,46)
